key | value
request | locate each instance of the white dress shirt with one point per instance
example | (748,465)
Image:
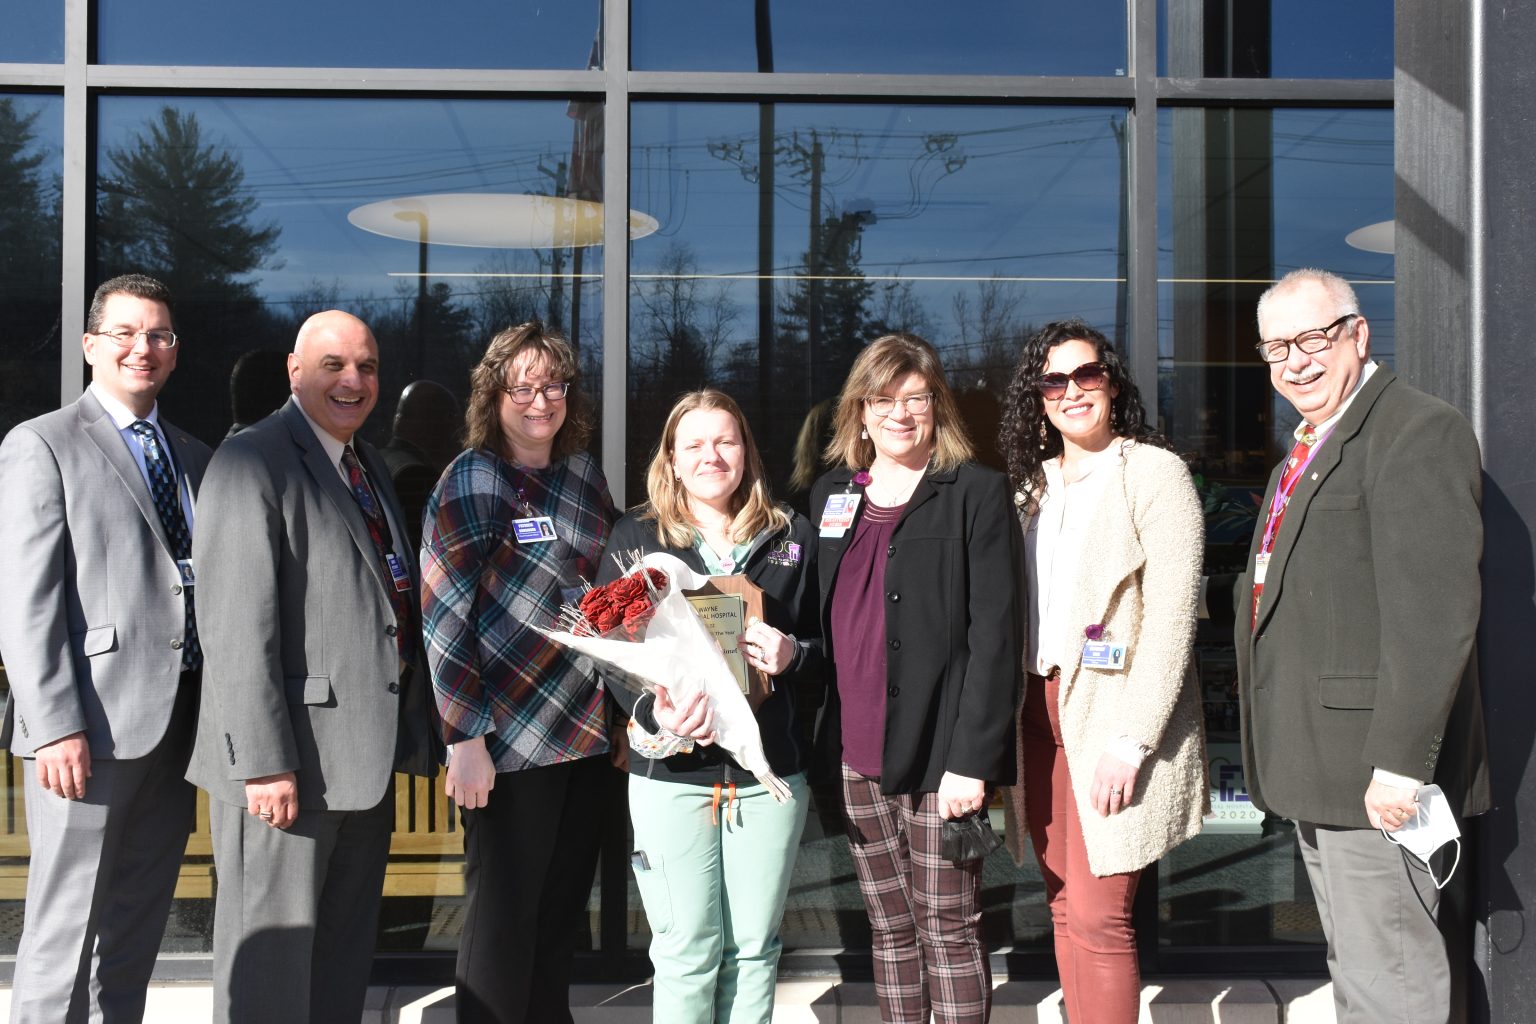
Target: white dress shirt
(123,419)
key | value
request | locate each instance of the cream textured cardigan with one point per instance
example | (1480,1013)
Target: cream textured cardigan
(1140,578)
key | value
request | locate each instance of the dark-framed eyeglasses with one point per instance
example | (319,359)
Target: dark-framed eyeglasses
(1311,342)
(523,394)
(884,405)
(1089,377)
(122,337)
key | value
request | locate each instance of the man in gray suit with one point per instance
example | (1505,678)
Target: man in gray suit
(100,642)
(1355,626)
(313,694)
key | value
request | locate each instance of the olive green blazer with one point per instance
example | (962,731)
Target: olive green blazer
(1364,651)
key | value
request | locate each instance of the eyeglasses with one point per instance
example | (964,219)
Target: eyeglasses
(124,338)
(884,405)
(523,393)
(1089,377)
(1310,342)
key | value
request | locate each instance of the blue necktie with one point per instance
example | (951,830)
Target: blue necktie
(162,487)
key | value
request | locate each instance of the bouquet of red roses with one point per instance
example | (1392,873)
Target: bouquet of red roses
(627,603)
(641,625)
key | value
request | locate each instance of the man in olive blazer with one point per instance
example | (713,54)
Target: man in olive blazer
(313,690)
(94,623)
(1358,674)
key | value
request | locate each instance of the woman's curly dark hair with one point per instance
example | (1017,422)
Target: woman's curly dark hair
(1027,438)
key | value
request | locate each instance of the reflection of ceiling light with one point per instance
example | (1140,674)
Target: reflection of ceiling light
(493,220)
(1378,237)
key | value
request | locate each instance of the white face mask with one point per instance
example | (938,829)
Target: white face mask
(1433,825)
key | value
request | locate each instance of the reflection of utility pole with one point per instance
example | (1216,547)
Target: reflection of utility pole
(555,317)
(812,162)
(1121,129)
(763,25)
(418,364)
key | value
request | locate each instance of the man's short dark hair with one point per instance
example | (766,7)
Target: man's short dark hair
(140,286)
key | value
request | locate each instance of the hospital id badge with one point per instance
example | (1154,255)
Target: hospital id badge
(397,573)
(188,573)
(1108,657)
(534,530)
(838,514)
(1260,566)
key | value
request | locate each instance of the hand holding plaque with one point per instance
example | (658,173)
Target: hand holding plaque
(727,604)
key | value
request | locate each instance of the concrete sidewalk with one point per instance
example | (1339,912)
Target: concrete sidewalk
(828,1001)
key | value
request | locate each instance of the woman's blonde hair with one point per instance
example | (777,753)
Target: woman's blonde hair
(752,507)
(482,417)
(885,359)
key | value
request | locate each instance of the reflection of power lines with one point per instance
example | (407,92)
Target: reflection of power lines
(807,160)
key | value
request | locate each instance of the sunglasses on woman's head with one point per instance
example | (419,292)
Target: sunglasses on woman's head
(1089,377)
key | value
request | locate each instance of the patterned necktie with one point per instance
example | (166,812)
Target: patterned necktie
(1301,453)
(383,545)
(162,487)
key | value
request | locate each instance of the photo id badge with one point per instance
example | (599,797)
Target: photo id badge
(1109,657)
(397,573)
(839,513)
(188,574)
(534,530)
(1260,566)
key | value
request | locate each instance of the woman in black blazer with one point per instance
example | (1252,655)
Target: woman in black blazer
(918,611)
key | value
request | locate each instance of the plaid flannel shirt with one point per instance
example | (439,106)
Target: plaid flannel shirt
(534,702)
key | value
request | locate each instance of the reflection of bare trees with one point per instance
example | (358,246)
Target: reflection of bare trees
(679,327)
(512,290)
(895,308)
(988,332)
(680,339)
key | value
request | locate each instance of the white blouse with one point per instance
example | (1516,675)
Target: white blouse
(1053,545)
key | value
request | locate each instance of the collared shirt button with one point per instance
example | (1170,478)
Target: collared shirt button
(394,687)
(890,552)
(391,630)
(893,691)
(894,645)
(894,596)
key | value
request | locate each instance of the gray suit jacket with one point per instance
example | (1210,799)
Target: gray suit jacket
(1364,652)
(301,671)
(90,596)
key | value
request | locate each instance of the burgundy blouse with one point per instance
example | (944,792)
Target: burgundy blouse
(858,637)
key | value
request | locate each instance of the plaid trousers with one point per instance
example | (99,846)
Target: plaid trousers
(924,911)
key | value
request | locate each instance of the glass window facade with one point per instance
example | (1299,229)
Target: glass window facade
(351,34)
(969,175)
(31,163)
(1274,39)
(900,37)
(34,32)
(965,224)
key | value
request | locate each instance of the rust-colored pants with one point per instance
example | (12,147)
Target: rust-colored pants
(1091,916)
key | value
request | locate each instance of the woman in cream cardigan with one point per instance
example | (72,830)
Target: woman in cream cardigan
(1111,742)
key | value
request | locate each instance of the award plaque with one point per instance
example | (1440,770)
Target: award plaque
(727,604)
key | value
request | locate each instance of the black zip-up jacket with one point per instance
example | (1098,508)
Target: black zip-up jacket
(783,564)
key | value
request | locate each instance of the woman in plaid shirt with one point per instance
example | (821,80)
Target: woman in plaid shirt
(512,528)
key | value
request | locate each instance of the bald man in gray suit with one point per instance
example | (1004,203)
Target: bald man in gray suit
(99,636)
(313,692)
